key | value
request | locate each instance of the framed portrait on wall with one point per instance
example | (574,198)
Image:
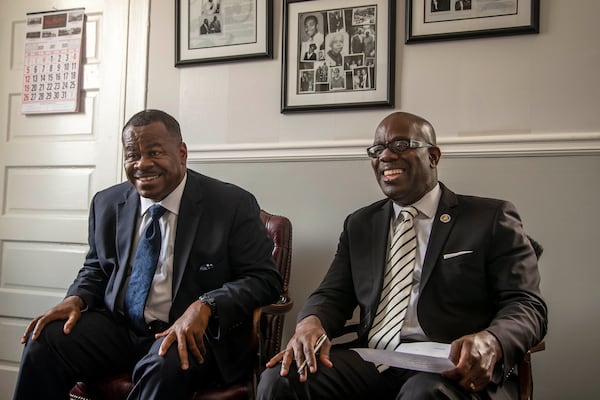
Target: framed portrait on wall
(432,20)
(208,31)
(338,54)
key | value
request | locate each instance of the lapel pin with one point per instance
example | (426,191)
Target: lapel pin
(445,218)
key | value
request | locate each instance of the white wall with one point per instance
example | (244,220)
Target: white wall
(517,118)
(537,84)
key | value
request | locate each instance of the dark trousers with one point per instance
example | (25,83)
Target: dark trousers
(101,346)
(353,378)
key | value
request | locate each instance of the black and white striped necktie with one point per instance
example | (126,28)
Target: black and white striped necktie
(397,283)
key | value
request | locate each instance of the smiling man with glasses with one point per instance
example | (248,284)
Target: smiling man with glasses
(424,264)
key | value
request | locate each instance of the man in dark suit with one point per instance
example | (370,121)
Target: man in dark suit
(462,5)
(215,266)
(473,282)
(356,43)
(440,5)
(205,27)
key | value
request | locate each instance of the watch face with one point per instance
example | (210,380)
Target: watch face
(209,301)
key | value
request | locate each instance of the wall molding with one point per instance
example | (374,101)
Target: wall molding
(513,145)
(136,83)
(136,78)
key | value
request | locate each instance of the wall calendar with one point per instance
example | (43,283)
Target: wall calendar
(51,70)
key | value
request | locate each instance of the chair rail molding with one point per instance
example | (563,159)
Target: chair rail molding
(499,145)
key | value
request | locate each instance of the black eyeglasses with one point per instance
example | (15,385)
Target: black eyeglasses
(397,146)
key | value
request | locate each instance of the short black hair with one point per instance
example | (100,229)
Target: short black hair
(314,18)
(146,117)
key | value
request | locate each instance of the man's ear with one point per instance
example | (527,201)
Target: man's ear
(434,156)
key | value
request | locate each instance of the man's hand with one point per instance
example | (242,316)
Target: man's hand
(475,357)
(188,332)
(302,347)
(69,309)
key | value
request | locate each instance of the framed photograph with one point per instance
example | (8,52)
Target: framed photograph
(429,20)
(208,31)
(338,54)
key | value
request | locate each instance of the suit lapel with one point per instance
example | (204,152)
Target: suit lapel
(127,212)
(442,226)
(379,235)
(190,211)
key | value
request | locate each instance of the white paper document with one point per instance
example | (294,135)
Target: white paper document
(417,356)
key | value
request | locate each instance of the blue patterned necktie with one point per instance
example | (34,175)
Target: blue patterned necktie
(144,266)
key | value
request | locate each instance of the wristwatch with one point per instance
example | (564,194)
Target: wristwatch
(210,302)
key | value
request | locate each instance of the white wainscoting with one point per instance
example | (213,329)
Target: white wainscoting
(500,145)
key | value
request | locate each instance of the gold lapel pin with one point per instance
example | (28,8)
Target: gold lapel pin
(445,218)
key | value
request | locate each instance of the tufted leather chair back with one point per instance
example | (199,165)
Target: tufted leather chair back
(280,230)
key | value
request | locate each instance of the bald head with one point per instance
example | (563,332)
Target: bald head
(406,174)
(410,123)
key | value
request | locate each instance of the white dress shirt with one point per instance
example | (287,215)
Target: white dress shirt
(160,296)
(427,207)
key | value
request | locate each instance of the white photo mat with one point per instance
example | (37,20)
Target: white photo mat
(480,18)
(244,30)
(382,92)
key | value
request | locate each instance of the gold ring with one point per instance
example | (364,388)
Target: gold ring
(472,386)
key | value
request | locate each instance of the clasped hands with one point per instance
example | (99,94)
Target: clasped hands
(474,356)
(188,330)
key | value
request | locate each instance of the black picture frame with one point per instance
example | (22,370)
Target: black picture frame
(437,20)
(212,31)
(364,30)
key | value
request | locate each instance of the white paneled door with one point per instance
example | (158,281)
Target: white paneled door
(51,165)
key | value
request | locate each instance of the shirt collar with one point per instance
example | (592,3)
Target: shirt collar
(171,202)
(426,205)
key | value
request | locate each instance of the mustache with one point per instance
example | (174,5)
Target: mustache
(145,173)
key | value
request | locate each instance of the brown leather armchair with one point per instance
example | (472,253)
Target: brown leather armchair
(268,329)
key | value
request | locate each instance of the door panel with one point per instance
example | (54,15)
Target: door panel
(50,166)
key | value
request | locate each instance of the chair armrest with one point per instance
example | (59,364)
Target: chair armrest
(282,306)
(525,375)
(538,347)
(268,338)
